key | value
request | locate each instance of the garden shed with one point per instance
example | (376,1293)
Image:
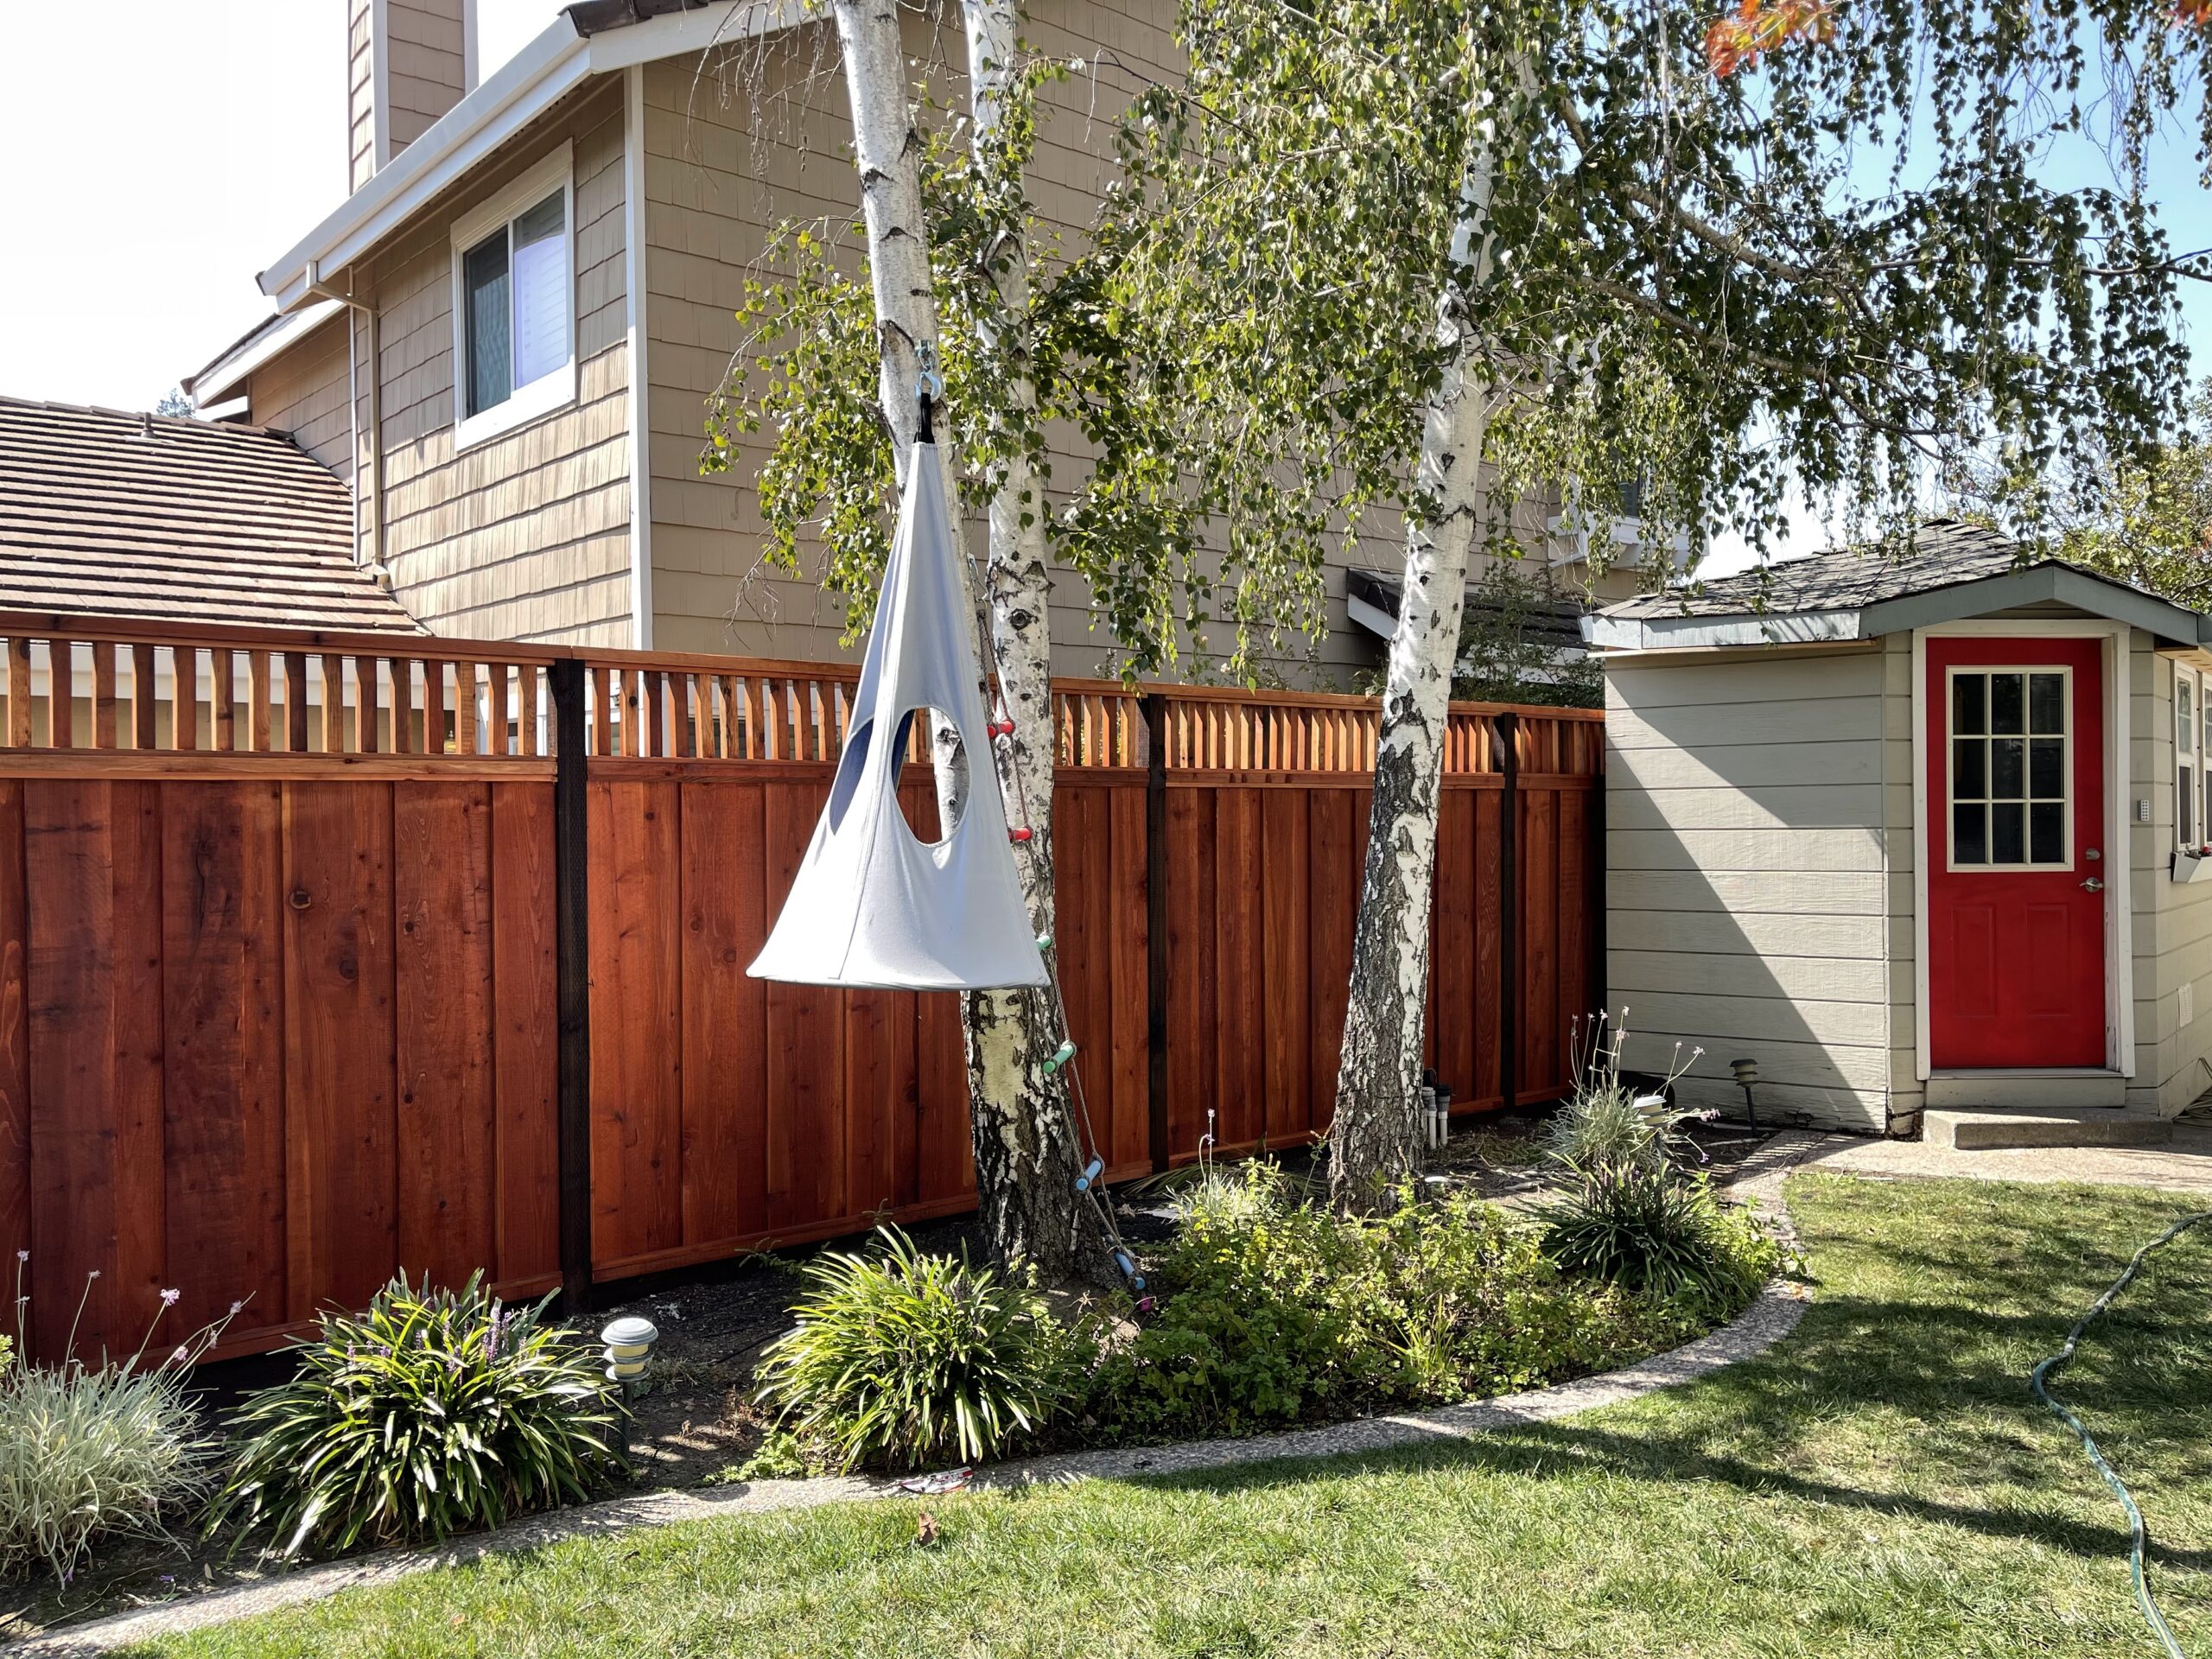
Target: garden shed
(1914,835)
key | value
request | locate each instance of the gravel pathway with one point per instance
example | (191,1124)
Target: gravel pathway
(1769,1318)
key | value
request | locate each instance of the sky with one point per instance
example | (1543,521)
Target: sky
(138,218)
(155,163)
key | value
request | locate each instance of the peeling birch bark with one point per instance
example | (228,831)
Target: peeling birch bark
(1374,1141)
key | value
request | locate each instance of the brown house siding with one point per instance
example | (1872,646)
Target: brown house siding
(302,392)
(524,536)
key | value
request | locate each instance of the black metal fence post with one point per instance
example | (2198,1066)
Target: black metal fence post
(1507,726)
(571,874)
(1155,914)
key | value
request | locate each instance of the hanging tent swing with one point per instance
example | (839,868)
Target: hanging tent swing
(872,905)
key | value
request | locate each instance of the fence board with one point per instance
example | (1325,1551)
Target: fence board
(725,923)
(442,893)
(341,1124)
(223,1023)
(15,1038)
(1287,1113)
(805,1159)
(525,1081)
(1130,1139)
(636,1020)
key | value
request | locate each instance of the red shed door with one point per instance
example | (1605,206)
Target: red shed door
(2017,863)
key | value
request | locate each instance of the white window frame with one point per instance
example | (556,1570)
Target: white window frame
(549,392)
(1950,764)
(2190,754)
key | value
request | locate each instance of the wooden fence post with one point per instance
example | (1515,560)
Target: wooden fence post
(571,878)
(1509,910)
(1155,916)
(1593,887)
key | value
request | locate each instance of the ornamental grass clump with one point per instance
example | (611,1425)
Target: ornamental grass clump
(433,1413)
(1647,1227)
(96,1454)
(901,1358)
(1601,1122)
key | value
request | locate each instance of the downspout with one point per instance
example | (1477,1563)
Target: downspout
(379,571)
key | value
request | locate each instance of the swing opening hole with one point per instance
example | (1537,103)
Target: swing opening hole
(918,782)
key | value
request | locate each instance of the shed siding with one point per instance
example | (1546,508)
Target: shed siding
(525,536)
(2173,921)
(1750,865)
(303,392)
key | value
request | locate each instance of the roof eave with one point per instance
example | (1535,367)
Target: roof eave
(2009,590)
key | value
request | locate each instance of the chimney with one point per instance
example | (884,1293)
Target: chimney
(408,62)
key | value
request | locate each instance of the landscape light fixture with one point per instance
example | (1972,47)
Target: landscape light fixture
(1747,1073)
(629,1345)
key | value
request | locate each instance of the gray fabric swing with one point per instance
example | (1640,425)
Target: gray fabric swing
(871,905)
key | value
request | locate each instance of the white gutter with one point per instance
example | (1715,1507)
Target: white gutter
(528,84)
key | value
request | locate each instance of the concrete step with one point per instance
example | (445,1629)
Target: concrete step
(1987,1128)
(2064,1090)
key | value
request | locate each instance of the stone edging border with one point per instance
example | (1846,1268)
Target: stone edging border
(1772,1316)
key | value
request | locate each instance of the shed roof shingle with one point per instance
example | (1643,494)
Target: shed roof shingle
(1946,552)
(171,519)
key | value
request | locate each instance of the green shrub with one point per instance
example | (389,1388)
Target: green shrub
(91,1453)
(434,1412)
(1274,1311)
(1646,1226)
(901,1358)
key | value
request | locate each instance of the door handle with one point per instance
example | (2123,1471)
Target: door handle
(2092,885)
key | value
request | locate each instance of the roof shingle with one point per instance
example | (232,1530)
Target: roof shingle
(170,519)
(1946,551)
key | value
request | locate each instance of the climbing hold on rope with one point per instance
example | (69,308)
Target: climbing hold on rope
(1024,833)
(1001,729)
(1061,1057)
(1044,941)
(1083,1181)
(1128,1264)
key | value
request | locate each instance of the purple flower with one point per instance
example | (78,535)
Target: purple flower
(23,1256)
(169,1298)
(179,1356)
(235,1307)
(94,1274)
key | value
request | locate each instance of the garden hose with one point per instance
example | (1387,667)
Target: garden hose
(2038,1382)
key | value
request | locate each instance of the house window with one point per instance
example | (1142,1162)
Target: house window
(514,322)
(2192,737)
(2011,769)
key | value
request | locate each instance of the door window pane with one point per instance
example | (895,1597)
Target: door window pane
(2046,832)
(1967,694)
(2008,840)
(1969,776)
(2046,702)
(2007,710)
(2007,769)
(484,279)
(1969,835)
(2047,768)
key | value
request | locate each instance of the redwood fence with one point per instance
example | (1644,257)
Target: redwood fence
(322,956)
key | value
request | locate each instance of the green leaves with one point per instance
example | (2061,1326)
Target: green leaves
(434,1412)
(904,1358)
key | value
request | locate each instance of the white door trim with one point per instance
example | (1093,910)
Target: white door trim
(2120,932)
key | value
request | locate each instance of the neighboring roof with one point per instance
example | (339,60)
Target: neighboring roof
(592,38)
(164,518)
(1371,600)
(1955,571)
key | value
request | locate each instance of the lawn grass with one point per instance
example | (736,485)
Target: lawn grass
(1878,1483)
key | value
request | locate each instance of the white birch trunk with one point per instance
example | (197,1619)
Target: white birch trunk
(1026,1157)
(1374,1141)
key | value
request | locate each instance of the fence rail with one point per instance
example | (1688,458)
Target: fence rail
(326,956)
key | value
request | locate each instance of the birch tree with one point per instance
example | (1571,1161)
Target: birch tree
(1456,256)
(837,446)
